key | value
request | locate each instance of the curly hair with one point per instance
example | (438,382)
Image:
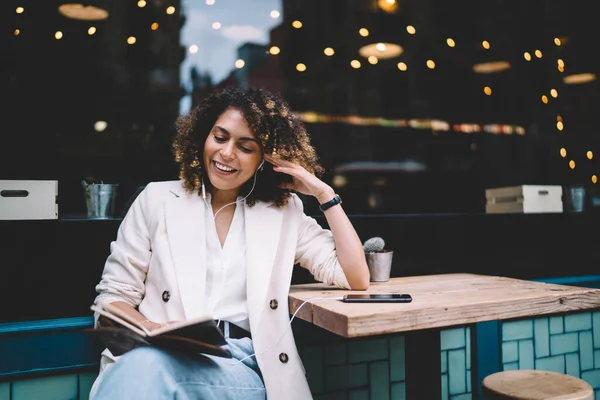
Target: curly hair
(269,117)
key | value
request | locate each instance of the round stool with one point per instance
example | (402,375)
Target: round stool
(535,385)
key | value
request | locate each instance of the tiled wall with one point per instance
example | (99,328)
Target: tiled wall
(456,363)
(358,369)
(59,387)
(566,344)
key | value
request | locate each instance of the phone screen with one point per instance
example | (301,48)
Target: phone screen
(379,297)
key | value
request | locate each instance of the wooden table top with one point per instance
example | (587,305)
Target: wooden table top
(438,301)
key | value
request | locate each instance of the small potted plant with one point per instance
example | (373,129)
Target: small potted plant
(379,259)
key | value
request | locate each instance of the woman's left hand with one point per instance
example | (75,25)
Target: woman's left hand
(303,181)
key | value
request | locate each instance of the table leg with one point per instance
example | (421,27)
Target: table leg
(423,362)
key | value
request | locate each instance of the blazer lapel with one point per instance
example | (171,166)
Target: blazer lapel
(262,228)
(186,232)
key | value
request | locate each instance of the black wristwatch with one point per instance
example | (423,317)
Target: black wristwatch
(335,201)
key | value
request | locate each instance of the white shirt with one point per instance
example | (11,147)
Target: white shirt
(225,297)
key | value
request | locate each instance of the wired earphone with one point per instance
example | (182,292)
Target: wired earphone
(260,168)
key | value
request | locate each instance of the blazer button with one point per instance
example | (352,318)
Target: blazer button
(283,358)
(166,296)
(273,304)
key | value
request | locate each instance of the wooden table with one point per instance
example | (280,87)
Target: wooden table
(439,301)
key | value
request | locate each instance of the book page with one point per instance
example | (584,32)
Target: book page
(119,320)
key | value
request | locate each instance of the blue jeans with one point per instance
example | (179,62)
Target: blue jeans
(150,373)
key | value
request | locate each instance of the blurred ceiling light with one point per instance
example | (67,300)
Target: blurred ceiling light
(491,67)
(275,14)
(131,40)
(411,29)
(589,155)
(329,51)
(594,179)
(300,67)
(380,50)
(100,126)
(210,2)
(402,66)
(364,32)
(563,152)
(82,12)
(20,10)
(141,3)
(373,60)
(560,126)
(538,54)
(450,42)
(430,64)
(554,93)
(527,56)
(544,99)
(216,25)
(560,63)
(193,49)
(91,30)
(297,24)
(575,79)
(17,32)
(487,90)
(355,64)
(557,41)
(274,50)
(58,35)
(239,63)
(572,164)
(388,6)
(170,10)
(485,44)
(154,26)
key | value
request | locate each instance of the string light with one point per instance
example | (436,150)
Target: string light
(239,63)
(594,179)
(411,29)
(216,25)
(154,26)
(485,44)
(91,30)
(527,56)
(19,10)
(430,64)
(170,10)
(355,64)
(329,51)
(210,2)
(274,50)
(297,24)
(300,67)
(17,32)
(373,60)
(563,152)
(589,155)
(131,40)
(572,164)
(554,93)
(402,66)
(274,14)
(487,90)
(538,54)
(58,35)
(364,32)
(544,99)
(193,49)
(557,41)
(141,3)
(450,42)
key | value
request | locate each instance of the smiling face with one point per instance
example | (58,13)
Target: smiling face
(232,154)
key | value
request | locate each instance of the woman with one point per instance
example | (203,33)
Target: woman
(222,241)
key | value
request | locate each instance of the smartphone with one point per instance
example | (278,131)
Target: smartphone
(378,298)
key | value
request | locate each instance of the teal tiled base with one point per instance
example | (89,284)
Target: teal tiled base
(568,344)
(55,387)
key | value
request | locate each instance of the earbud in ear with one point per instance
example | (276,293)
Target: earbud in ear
(203,191)
(260,167)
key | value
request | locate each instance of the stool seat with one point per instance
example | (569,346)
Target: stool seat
(535,385)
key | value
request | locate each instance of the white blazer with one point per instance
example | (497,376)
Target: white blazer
(161,247)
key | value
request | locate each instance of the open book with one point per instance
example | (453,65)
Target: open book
(199,335)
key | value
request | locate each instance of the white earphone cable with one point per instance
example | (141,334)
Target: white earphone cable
(287,329)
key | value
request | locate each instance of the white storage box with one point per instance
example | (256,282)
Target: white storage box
(524,199)
(26,200)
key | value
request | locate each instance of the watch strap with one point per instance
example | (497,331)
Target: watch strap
(333,202)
